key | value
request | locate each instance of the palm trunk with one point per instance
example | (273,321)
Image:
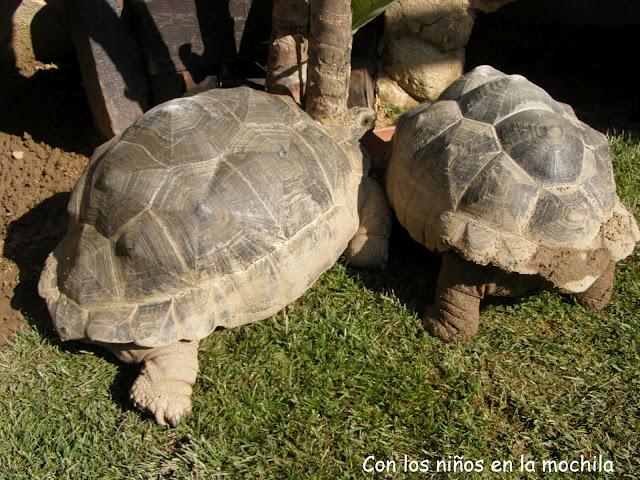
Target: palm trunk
(286,65)
(329,60)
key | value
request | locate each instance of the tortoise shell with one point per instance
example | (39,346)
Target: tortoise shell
(211,210)
(499,171)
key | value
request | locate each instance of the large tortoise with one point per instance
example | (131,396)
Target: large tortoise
(213,210)
(514,189)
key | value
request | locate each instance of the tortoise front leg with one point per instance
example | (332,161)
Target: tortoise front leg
(456,311)
(369,248)
(598,295)
(164,385)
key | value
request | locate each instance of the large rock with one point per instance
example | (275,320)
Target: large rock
(421,69)
(389,92)
(423,44)
(447,24)
(15,35)
(31,30)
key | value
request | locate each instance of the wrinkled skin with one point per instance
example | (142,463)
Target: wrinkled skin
(455,314)
(163,387)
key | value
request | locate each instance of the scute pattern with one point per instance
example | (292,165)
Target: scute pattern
(503,195)
(211,210)
(504,96)
(457,156)
(466,83)
(428,121)
(544,144)
(562,218)
(498,170)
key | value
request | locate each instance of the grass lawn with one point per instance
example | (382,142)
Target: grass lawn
(344,373)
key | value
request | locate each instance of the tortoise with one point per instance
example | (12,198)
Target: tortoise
(513,190)
(212,210)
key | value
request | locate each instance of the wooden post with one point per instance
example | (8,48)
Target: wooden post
(363,68)
(329,60)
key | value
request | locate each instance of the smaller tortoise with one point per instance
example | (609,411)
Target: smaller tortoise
(514,190)
(215,210)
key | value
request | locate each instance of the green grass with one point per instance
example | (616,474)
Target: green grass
(343,373)
(393,111)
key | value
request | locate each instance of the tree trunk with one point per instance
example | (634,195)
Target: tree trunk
(329,60)
(286,65)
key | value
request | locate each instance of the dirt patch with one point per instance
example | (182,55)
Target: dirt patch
(46,135)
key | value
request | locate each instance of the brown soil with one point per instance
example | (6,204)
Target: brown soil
(46,135)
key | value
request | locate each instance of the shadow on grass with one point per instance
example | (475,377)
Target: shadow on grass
(28,242)
(411,272)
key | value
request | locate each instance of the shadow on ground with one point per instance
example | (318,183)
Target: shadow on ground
(29,240)
(51,106)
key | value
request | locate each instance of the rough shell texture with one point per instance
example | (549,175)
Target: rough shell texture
(499,171)
(212,210)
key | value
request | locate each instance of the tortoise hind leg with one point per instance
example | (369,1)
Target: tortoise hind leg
(598,295)
(165,382)
(369,248)
(461,287)
(456,312)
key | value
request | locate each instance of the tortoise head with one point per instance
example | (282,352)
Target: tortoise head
(352,125)
(360,120)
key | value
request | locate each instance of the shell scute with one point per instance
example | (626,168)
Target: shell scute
(90,269)
(562,218)
(544,144)
(466,83)
(502,195)
(110,324)
(505,96)
(73,319)
(154,324)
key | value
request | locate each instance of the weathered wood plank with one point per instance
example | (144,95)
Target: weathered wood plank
(173,33)
(193,36)
(363,68)
(110,62)
(361,84)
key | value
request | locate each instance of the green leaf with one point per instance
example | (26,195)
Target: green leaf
(363,11)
